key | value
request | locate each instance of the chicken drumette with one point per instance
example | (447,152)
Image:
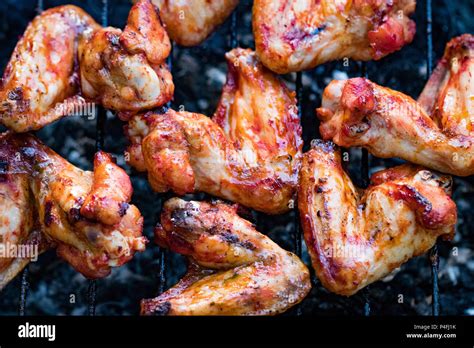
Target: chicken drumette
(190,22)
(234,270)
(249,152)
(355,239)
(296,35)
(85,215)
(66,58)
(437,131)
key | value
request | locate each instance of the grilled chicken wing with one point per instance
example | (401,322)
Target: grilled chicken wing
(40,83)
(65,58)
(437,132)
(248,153)
(235,270)
(19,242)
(190,22)
(449,94)
(126,70)
(297,35)
(85,215)
(354,239)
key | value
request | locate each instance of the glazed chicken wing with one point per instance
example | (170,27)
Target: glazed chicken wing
(65,58)
(190,22)
(235,270)
(126,70)
(355,239)
(40,83)
(19,241)
(297,35)
(86,215)
(436,132)
(249,152)
(449,94)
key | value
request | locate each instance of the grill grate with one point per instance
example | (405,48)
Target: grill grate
(23,292)
(25,285)
(297,233)
(99,145)
(364,171)
(429,69)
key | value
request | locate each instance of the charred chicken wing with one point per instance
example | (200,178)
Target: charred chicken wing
(355,239)
(85,215)
(293,35)
(234,270)
(437,131)
(249,152)
(40,83)
(66,58)
(190,22)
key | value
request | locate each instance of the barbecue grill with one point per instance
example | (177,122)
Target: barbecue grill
(199,74)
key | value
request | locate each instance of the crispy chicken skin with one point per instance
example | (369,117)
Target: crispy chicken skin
(65,59)
(16,224)
(293,35)
(126,70)
(355,239)
(249,152)
(436,132)
(86,215)
(190,22)
(234,270)
(40,83)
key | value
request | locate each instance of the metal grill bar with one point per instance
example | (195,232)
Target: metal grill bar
(23,292)
(161,271)
(434,258)
(102,114)
(25,285)
(297,240)
(99,145)
(39,6)
(162,252)
(234,40)
(364,173)
(91,297)
(299,99)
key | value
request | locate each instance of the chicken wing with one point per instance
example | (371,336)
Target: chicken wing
(234,270)
(248,153)
(437,132)
(126,70)
(449,94)
(40,83)
(19,242)
(66,59)
(297,35)
(190,22)
(85,215)
(355,239)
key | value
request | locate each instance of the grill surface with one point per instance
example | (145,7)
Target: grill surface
(78,146)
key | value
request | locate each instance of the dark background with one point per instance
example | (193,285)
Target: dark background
(199,74)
